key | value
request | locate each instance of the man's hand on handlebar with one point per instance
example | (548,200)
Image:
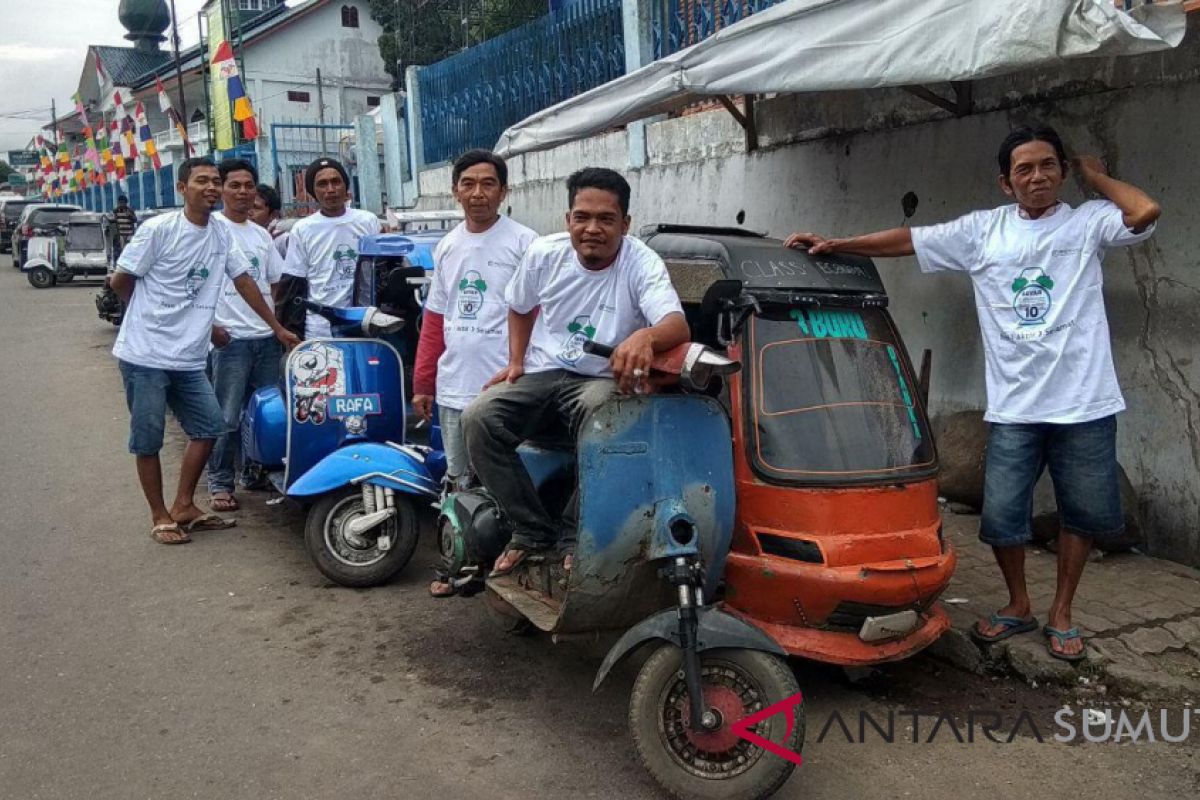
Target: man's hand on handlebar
(812,242)
(423,404)
(630,362)
(509,374)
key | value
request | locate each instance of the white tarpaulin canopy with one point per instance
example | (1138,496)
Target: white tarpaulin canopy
(822,45)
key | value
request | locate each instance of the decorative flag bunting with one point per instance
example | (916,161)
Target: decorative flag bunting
(164,105)
(114,136)
(243,111)
(148,145)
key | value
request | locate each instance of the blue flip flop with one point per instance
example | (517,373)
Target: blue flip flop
(1063,637)
(1012,627)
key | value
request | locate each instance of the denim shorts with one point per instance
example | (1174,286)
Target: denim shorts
(148,393)
(1082,459)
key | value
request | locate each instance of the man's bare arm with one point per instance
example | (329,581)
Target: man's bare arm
(893,242)
(1138,209)
(122,284)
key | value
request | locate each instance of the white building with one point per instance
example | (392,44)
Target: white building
(283,46)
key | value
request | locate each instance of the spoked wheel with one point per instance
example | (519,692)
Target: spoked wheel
(41,278)
(369,558)
(718,764)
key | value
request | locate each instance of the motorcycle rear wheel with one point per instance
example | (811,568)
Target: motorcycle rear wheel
(694,765)
(344,561)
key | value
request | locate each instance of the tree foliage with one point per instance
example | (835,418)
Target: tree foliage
(418,32)
(5,170)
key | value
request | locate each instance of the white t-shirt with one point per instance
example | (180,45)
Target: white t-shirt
(1041,309)
(266,266)
(578,304)
(325,251)
(470,274)
(180,268)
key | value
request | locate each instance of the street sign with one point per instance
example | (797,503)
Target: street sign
(16,179)
(22,158)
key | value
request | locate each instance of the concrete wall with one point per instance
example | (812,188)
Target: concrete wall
(839,164)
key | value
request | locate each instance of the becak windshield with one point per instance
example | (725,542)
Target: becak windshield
(832,398)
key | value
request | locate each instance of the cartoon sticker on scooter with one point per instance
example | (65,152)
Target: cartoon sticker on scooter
(1031,296)
(345,259)
(317,374)
(579,331)
(470,295)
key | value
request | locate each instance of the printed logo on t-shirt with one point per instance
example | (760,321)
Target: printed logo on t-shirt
(195,280)
(255,271)
(1031,296)
(345,258)
(470,295)
(578,332)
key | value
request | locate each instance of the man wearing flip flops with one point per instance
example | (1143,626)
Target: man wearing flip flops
(169,277)
(1051,386)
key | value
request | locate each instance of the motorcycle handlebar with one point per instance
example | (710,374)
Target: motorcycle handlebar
(597,349)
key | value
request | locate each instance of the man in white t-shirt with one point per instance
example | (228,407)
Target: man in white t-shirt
(245,353)
(170,277)
(464,329)
(323,247)
(1051,386)
(591,283)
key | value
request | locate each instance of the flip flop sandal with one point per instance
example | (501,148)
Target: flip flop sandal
(525,552)
(1063,637)
(156,533)
(445,587)
(1012,627)
(226,501)
(209,522)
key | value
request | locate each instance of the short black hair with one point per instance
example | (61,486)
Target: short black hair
(231,165)
(122,199)
(270,196)
(473,157)
(189,164)
(599,178)
(1025,135)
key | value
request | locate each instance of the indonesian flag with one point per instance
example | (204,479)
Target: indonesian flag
(148,145)
(226,66)
(164,105)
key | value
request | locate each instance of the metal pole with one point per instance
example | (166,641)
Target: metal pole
(204,70)
(54,130)
(321,109)
(178,66)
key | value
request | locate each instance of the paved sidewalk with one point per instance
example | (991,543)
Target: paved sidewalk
(1141,614)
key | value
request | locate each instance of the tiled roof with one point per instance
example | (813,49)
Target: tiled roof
(126,64)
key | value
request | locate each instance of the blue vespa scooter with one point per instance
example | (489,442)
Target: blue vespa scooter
(332,436)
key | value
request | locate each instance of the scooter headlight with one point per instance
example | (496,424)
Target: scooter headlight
(375,322)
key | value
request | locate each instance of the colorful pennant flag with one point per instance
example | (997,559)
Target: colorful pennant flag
(114,136)
(148,145)
(164,105)
(243,111)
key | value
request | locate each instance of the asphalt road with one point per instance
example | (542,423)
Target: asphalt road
(229,668)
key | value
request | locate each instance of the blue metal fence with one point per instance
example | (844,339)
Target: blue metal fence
(135,192)
(166,186)
(676,24)
(149,197)
(469,99)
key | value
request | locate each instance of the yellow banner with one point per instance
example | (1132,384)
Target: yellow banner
(220,116)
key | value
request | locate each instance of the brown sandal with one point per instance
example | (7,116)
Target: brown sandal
(522,553)
(169,533)
(440,588)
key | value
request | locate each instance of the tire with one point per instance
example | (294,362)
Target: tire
(41,278)
(741,682)
(338,559)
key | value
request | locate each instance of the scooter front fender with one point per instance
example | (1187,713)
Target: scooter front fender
(391,466)
(714,629)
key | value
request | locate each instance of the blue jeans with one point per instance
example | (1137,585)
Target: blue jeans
(1082,459)
(148,392)
(238,369)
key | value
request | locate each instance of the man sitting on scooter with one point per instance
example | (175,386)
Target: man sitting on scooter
(591,283)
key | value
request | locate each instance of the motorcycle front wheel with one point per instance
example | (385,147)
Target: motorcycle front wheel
(359,560)
(719,764)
